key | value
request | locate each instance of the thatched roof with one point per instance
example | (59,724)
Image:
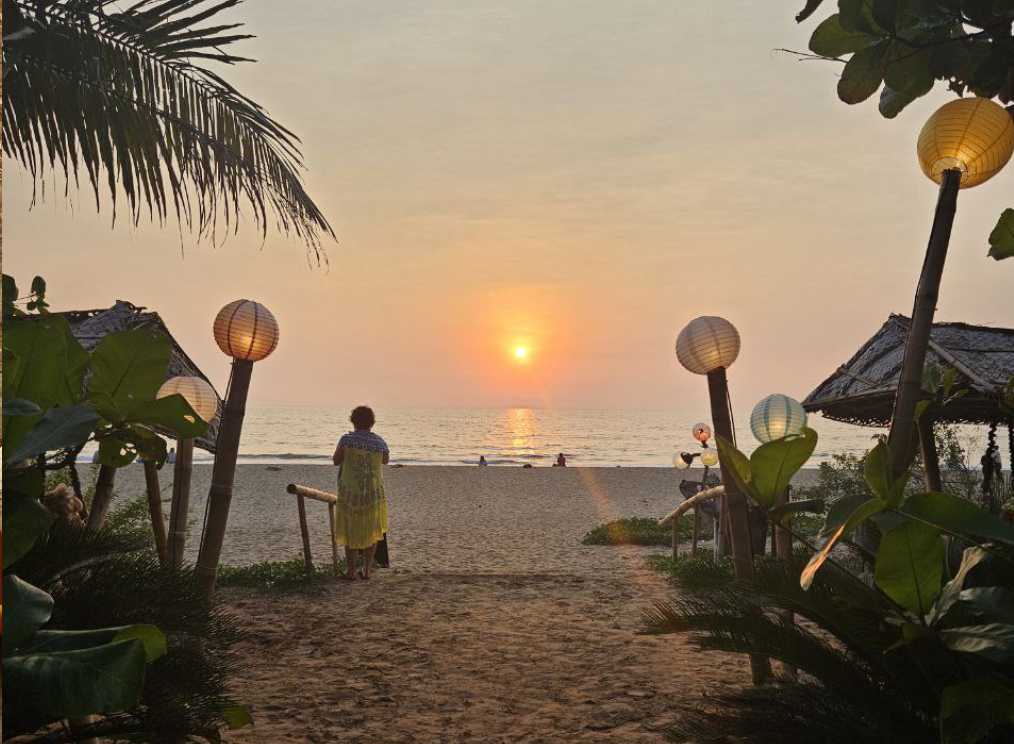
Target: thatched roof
(862,390)
(89,326)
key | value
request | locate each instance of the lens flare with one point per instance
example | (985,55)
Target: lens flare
(521,352)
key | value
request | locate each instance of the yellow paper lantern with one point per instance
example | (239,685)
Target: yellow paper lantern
(972,135)
(709,458)
(706,344)
(246,330)
(198,393)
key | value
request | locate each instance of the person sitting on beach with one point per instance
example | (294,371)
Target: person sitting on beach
(360,515)
(482,460)
(561,461)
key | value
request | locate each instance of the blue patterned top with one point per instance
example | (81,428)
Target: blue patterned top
(363,440)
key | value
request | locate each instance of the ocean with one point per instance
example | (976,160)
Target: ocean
(515,436)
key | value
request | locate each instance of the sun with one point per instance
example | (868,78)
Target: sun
(521,352)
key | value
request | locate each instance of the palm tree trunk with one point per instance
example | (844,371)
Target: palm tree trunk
(103,495)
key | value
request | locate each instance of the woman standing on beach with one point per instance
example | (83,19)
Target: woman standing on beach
(361,513)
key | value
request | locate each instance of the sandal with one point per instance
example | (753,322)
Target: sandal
(361,575)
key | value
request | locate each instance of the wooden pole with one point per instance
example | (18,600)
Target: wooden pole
(675,538)
(734,503)
(930,459)
(305,532)
(223,475)
(334,545)
(697,533)
(179,509)
(103,495)
(155,509)
(783,549)
(910,380)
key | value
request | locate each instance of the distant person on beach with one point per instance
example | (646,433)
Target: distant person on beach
(171,457)
(561,461)
(482,460)
(360,519)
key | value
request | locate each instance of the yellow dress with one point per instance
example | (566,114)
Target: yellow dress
(360,516)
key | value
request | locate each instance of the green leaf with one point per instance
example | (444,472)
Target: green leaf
(114,452)
(878,474)
(773,464)
(736,462)
(862,75)
(130,366)
(863,512)
(49,641)
(73,684)
(984,604)
(25,519)
(236,716)
(58,428)
(172,412)
(978,567)
(26,609)
(993,641)
(10,296)
(932,378)
(1001,240)
(909,566)
(39,376)
(953,515)
(21,407)
(829,39)
(813,506)
(808,10)
(969,710)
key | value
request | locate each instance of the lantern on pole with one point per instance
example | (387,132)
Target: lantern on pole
(204,400)
(963,144)
(777,416)
(682,460)
(248,332)
(709,458)
(702,432)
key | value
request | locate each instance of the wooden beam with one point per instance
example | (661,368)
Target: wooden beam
(179,508)
(311,493)
(930,458)
(103,495)
(155,508)
(304,530)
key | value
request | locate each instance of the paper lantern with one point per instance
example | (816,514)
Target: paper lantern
(678,462)
(702,432)
(198,393)
(777,416)
(246,330)
(706,344)
(972,135)
(709,458)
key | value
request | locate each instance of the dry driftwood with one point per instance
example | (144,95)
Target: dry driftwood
(711,493)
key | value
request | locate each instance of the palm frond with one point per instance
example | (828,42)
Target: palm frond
(119,95)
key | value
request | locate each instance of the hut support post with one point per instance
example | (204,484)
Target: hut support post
(223,475)
(334,544)
(782,543)
(910,381)
(697,533)
(155,509)
(734,503)
(930,458)
(179,510)
(304,530)
(675,539)
(103,495)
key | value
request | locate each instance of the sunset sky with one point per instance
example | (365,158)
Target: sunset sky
(578,177)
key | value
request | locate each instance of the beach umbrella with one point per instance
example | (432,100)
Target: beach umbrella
(777,416)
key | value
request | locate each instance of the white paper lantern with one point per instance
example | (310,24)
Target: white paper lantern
(709,458)
(706,344)
(246,330)
(678,462)
(198,393)
(777,416)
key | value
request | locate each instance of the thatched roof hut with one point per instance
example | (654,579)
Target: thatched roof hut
(90,326)
(862,390)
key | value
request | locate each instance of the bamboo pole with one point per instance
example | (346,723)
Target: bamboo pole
(910,380)
(782,544)
(179,509)
(697,533)
(223,476)
(311,493)
(103,495)
(331,506)
(155,509)
(304,530)
(675,539)
(735,503)
(930,458)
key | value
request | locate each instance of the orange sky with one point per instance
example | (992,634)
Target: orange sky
(579,177)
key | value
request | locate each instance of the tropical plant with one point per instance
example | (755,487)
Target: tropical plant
(900,651)
(125,93)
(903,47)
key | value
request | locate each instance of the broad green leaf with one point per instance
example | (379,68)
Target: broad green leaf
(932,378)
(106,406)
(863,512)
(856,15)
(73,684)
(829,39)
(736,463)
(773,464)
(813,506)
(921,406)
(839,513)
(39,375)
(947,380)
(172,412)
(1001,239)
(877,470)
(114,452)
(25,519)
(10,296)
(953,515)
(130,366)
(49,641)
(26,609)
(58,428)
(236,716)
(969,710)
(908,69)
(909,566)
(980,604)
(20,407)
(993,641)
(76,365)
(863,74)
(808,10)
(978,568)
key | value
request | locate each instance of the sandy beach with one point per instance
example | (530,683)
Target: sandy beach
(493,624)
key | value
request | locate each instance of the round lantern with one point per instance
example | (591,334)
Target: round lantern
(678,462)
(777,416)
(702,432)
(972,135)
(706,344)
(246,330)
(198,393)
(709,458)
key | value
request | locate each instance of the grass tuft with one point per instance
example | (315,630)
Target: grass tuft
(643,531)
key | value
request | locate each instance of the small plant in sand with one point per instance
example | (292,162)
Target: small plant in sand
(290,574)
(641,531)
